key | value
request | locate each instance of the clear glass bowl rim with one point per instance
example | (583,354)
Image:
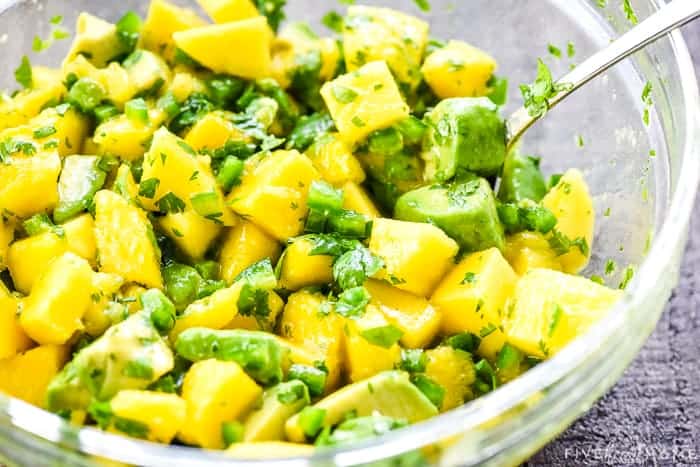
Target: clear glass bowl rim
(91,441)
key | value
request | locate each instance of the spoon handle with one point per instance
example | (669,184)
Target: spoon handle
(675,14)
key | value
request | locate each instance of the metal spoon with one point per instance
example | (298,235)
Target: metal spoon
(668,18)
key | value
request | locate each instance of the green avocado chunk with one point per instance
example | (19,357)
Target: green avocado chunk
(391,176)
(521,179)
(464,134)
(129,355)
(389,393)
(466,211)
(80,179)
(279,404)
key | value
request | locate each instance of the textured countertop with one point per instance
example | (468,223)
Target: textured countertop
(652,415)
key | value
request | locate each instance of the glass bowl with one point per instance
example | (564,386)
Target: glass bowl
(643,205)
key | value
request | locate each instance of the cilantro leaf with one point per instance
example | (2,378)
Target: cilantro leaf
(23,73)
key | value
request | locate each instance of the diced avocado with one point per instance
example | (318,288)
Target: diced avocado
(464,134)
(260,355)
(97,40)
(465,211)
(80,179)
(148,73)
(129,355)
(392,176)
(279,404)
(521,179)
(389,393)
(357,429)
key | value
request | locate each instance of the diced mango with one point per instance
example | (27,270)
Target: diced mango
(26,376)
(80,237)
(126,137)
(269,450)
(530,250)
(29,185)
(7,235)
(13,339)
(125,240)
(28,258)
(331,56)
(163,414)
(213,131)
(416,256)
(181,173)
(59,299)
(130,295)
(47,87)
(211,46)
(472,297)
(366,346)
(363,101)
(244,245)
(301,269)
(118,84)
(356,198)
(148,72)
(458,70)
(454,371)
(97,40)
(225,11)
(320,335)
(549,309)
(275,305)
(192,233)
(214,311)
(68,130)
(208,388)
(414,316)
(162,21)
(372,33)
(104,288)
(572,205)
(277,183)
(335,162)
(184,84)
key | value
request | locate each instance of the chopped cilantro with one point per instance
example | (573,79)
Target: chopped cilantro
(423,4)
(358,122)
(469,278)
(354,267)
(23,73)
(382,336)
(148,187)
(352,302)
(430,388)
(343,95)
(536,96)
(609,266)
(170,203)
(629,12)
(333,21)
(44,131)
(554,319)
(570,49)
(626,278)
(554,51)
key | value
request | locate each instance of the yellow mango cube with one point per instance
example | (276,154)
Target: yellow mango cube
(26,376)
(414,316)
(369,345)
(97,39)
(118,84)
(47,87)
(28,258)
(163,414)
(335,162)
(213,131)
(29,185)
(212,45)
(458,70)
(125,137)
(530,250)
(321,336)
(162,21)
(59,299)
(416,256)
(104,289)
(472,297)
(214,311)
(184,84)
(330,57)
(68,130)
(244,245)
(192,233)
(7,235)
(571,204)
(356,198)
(207,389)
(125,240)
(13,339)
(277,183)
(225,11)
(550,309)
(301,269)
(175,170)
(363,101)
(274,303)
(454,371)
(80,237)
(372,33)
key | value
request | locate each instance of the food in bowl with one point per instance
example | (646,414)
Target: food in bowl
(231,237)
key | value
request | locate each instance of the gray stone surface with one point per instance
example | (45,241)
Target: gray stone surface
(652,415)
